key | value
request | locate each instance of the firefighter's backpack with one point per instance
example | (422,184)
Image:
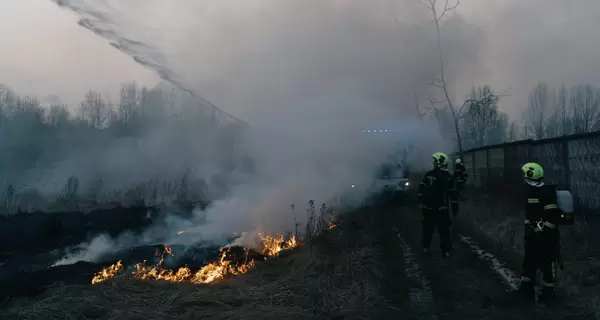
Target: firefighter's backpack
(564,201)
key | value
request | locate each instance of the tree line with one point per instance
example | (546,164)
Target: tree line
(550,112)
(157,134)
(553,112)
(477,121)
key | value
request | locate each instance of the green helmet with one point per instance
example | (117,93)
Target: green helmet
(458,161)
(533,171)
(440,158)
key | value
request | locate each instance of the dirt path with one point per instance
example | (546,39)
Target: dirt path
(469,285)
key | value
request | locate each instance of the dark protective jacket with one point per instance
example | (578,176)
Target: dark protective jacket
(542,212)
(542,237)
(437,191)
(460,173)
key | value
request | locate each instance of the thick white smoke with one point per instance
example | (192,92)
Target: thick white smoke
(308,77)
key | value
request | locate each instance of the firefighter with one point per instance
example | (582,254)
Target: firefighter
(460,176)
(437,192)
(542,239)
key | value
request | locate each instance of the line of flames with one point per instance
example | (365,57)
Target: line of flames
(271,246)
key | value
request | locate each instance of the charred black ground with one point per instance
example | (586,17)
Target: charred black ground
(30,243)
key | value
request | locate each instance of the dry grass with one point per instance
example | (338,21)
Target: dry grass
(502,221)
(337,275)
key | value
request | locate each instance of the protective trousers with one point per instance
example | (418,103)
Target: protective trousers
(439,219)
(460,187)
(541,253)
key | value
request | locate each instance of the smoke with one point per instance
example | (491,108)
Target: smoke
(308,76)
(252,59)
(91,251)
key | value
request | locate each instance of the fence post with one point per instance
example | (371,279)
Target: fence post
(566,163)
(504,168)
(473,168)
(488,170)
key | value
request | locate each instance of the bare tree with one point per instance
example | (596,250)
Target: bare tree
(553,126)
(418,110)
(585,113)
(562,99)
(438,13)
(94,109)
(129,102)
(482,124)
(512,134)
(26,110)
(538,110)
(7,97)
(57,115)
(443,116)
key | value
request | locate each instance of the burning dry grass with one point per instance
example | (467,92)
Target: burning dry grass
(108,272)
(229,263)
(336,274)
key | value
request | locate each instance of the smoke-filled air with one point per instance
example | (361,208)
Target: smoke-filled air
(297,86)
(246,128)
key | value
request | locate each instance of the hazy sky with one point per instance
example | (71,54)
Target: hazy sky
(45,52)
(222,47)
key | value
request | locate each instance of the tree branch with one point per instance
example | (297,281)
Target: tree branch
(486,100)
(436,84)
(434,102)
(447,9)
(430,6)
(418,107)
(442,81)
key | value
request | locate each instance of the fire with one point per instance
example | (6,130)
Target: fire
(108,272)
(212,272)
(271,246)
(228,264)
(166,250)
(331,225)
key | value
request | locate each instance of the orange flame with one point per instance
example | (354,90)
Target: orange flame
(108,272)
(210,273)
(271,246)
(226,264)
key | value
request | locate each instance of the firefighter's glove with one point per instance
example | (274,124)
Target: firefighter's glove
(539,226)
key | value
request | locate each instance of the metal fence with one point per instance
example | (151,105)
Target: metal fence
(570,162)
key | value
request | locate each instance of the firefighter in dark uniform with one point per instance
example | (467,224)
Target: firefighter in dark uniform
(460,176)
(437,193)
(542,239)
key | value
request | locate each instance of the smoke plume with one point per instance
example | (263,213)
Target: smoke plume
(307,76)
